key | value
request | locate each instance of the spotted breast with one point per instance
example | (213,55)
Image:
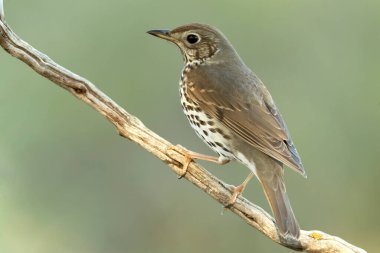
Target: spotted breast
(209,129)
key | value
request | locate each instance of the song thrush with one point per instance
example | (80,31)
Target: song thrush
(232,111)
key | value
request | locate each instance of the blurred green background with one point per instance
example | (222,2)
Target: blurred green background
(69,183)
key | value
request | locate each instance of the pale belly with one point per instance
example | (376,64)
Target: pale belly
(209,129)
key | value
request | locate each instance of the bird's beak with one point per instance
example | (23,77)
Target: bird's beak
(163,34)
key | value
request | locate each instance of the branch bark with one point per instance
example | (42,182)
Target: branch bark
(132,128)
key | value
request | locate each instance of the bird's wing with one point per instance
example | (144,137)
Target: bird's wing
(248,110)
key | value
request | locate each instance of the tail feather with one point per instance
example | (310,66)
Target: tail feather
(272,180)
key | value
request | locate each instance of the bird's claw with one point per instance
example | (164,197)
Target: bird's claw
(236,191)
(186,161)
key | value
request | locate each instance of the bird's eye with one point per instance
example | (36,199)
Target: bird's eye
(192,38)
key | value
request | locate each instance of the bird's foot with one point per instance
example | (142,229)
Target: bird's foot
(189,156)
(186,161)
(236,191)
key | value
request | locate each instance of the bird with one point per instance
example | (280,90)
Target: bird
(232,111)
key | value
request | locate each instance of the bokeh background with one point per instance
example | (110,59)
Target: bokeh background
(69,183)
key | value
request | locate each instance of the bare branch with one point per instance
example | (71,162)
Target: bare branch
(132,128)
(1,10)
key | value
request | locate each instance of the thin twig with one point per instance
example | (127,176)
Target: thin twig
(132,128)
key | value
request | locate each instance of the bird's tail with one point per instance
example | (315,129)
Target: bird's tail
(272,180)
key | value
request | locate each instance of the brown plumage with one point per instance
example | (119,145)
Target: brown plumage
(232,111)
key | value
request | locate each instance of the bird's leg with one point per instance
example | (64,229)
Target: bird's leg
(239,190)
(190,156)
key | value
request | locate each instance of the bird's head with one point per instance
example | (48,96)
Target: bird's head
(198,42)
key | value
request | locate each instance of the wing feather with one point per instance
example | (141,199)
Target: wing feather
(247,108)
